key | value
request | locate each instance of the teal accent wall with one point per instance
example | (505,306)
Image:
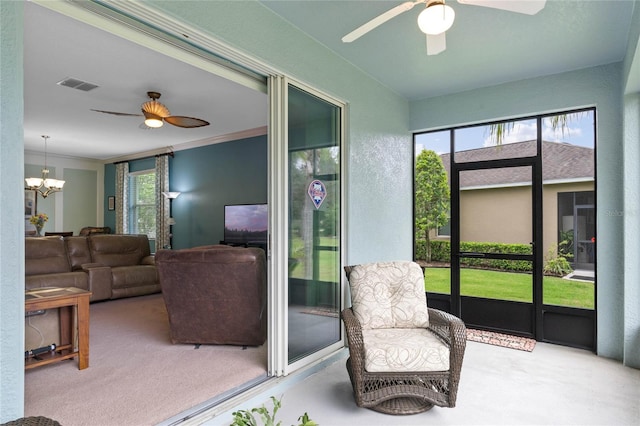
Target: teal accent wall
(109,191)
(142,164)
(80,199)
(208,178)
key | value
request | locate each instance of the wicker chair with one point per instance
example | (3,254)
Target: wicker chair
(404,357)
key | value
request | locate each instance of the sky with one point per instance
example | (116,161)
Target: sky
(248,217)
(579,132)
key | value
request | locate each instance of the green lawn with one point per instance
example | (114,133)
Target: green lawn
(512,286)
(328,259)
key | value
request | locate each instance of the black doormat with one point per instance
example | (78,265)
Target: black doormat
(499,339)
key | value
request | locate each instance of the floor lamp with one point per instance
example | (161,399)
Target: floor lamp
(171,195)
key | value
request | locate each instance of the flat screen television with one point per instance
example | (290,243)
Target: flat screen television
(246,224)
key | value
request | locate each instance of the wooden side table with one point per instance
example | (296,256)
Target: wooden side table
(68,299)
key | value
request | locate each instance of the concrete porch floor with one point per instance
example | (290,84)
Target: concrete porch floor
(553,385)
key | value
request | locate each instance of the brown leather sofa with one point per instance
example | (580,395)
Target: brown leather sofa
(47,265)
(110,266)
(90,230)
(215,294)
(133,270)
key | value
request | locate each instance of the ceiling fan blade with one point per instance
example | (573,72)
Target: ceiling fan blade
(528,7)
(436,43)
(123,114)
(379,20)
(186,122)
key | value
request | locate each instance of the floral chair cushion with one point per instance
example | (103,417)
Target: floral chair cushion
(402,349)
(389,295)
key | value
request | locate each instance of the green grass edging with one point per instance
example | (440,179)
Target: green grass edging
(512,286)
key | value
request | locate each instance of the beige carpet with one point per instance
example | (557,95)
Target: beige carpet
(135,375)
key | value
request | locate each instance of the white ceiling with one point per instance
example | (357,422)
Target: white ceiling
(57,47)
(484,47)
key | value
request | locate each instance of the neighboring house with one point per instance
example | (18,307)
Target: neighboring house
(495,204)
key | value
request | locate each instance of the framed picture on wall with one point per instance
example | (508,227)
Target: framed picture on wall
(30,201)
(30,209)
(111,203)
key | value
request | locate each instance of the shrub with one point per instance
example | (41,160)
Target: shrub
(556,264)
(441,252)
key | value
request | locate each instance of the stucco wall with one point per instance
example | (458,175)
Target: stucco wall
(631,197)
(11,213)
(496,215)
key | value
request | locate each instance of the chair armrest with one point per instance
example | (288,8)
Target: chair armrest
(148,260)
(451,330)
(448,327)
(354,339)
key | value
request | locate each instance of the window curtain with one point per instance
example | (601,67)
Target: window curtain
(122,198)
(162,202)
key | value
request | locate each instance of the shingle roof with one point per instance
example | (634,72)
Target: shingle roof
(560,162)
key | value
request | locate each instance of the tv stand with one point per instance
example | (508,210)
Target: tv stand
(257,244)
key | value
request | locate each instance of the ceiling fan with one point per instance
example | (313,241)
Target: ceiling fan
(437,18)
(155,114)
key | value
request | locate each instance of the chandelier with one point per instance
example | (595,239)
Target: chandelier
(45,185)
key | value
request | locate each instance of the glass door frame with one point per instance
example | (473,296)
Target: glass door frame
(532,317)
(278,296)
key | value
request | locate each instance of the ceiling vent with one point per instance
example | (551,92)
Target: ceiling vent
(74,83)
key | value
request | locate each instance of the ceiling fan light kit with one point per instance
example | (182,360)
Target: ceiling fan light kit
(152,120)
(436,18)
(155,114)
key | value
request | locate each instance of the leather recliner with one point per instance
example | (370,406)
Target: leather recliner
(215,294)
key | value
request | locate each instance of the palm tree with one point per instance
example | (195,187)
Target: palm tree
(561,121)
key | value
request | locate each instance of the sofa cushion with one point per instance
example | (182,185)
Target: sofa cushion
(389,295)
(118,250)
(78,251)
(404,349)
(45,255)
(134,276)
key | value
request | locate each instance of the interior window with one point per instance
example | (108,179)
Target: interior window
(142,208)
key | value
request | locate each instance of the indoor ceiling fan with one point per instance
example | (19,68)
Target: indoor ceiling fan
(437,18)
(155,114)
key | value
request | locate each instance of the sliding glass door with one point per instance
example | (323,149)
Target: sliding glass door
(307,217)
(314,223)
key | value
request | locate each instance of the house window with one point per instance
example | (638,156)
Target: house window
(142,207)
(445,230)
